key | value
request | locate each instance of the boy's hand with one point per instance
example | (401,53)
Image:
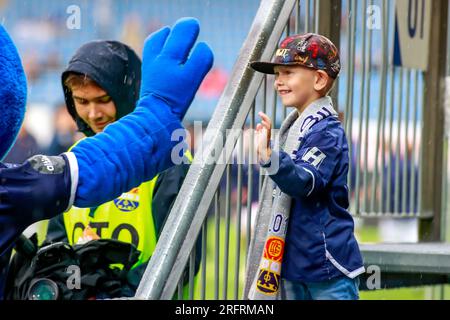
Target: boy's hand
(263,130)
(168,71)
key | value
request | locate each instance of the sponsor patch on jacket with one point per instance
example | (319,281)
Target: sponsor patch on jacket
(314,156)
(47,164)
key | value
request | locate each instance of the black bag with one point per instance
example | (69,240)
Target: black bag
(62,272)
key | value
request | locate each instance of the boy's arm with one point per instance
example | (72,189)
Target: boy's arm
(311,169)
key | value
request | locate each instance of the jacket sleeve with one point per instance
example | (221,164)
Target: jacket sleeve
(311,167)
(129,151)
(38,189)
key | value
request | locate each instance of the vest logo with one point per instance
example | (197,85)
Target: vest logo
(128,201)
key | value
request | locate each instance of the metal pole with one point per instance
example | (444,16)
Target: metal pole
(367,110)
(191,273)
(381,115)
(227,232)
(391,129)
(413,189)
(406,141)
(329,15)
(397,202)
(352,8)
(217,243)
(204,249)
(297,17)
(362,111)
(316,11)
(307,12)
(180,289)
(250,179)
(264,109)
(238,216)
(433,125)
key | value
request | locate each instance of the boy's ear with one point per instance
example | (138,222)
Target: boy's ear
(321,81)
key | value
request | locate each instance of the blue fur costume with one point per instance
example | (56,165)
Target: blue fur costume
(131,150)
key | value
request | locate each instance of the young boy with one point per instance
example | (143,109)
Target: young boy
(319,257)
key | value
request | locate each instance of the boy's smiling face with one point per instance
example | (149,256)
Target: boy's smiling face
(298,86)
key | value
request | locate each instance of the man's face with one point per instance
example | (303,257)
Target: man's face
(295,85)
(94,106)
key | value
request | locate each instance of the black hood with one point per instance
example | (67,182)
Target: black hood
(115,67)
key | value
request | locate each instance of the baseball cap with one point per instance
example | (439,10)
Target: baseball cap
(310,50)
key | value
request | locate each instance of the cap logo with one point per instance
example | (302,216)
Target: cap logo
(302,60)
(282,53)
(302,45)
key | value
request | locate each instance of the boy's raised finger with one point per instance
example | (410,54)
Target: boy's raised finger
(266,118)
(266,124)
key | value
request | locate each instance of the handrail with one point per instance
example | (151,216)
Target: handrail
(190,208)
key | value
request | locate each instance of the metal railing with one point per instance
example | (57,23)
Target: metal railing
(381,105)
(189,210)
(383,118)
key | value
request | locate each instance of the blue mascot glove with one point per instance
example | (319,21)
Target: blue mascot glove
(171,76)
(13,93)
(138,146)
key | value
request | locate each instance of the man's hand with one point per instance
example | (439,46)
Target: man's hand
(263,130)
(167,71)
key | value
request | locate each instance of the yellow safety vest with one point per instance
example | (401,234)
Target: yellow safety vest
(128,218)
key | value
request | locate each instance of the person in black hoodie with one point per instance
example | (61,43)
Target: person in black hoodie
(101,84)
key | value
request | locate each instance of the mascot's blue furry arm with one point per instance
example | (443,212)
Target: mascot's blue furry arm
(129,151)
(139,146)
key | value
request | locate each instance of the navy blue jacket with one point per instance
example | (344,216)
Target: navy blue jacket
(320,242)
(38,189)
